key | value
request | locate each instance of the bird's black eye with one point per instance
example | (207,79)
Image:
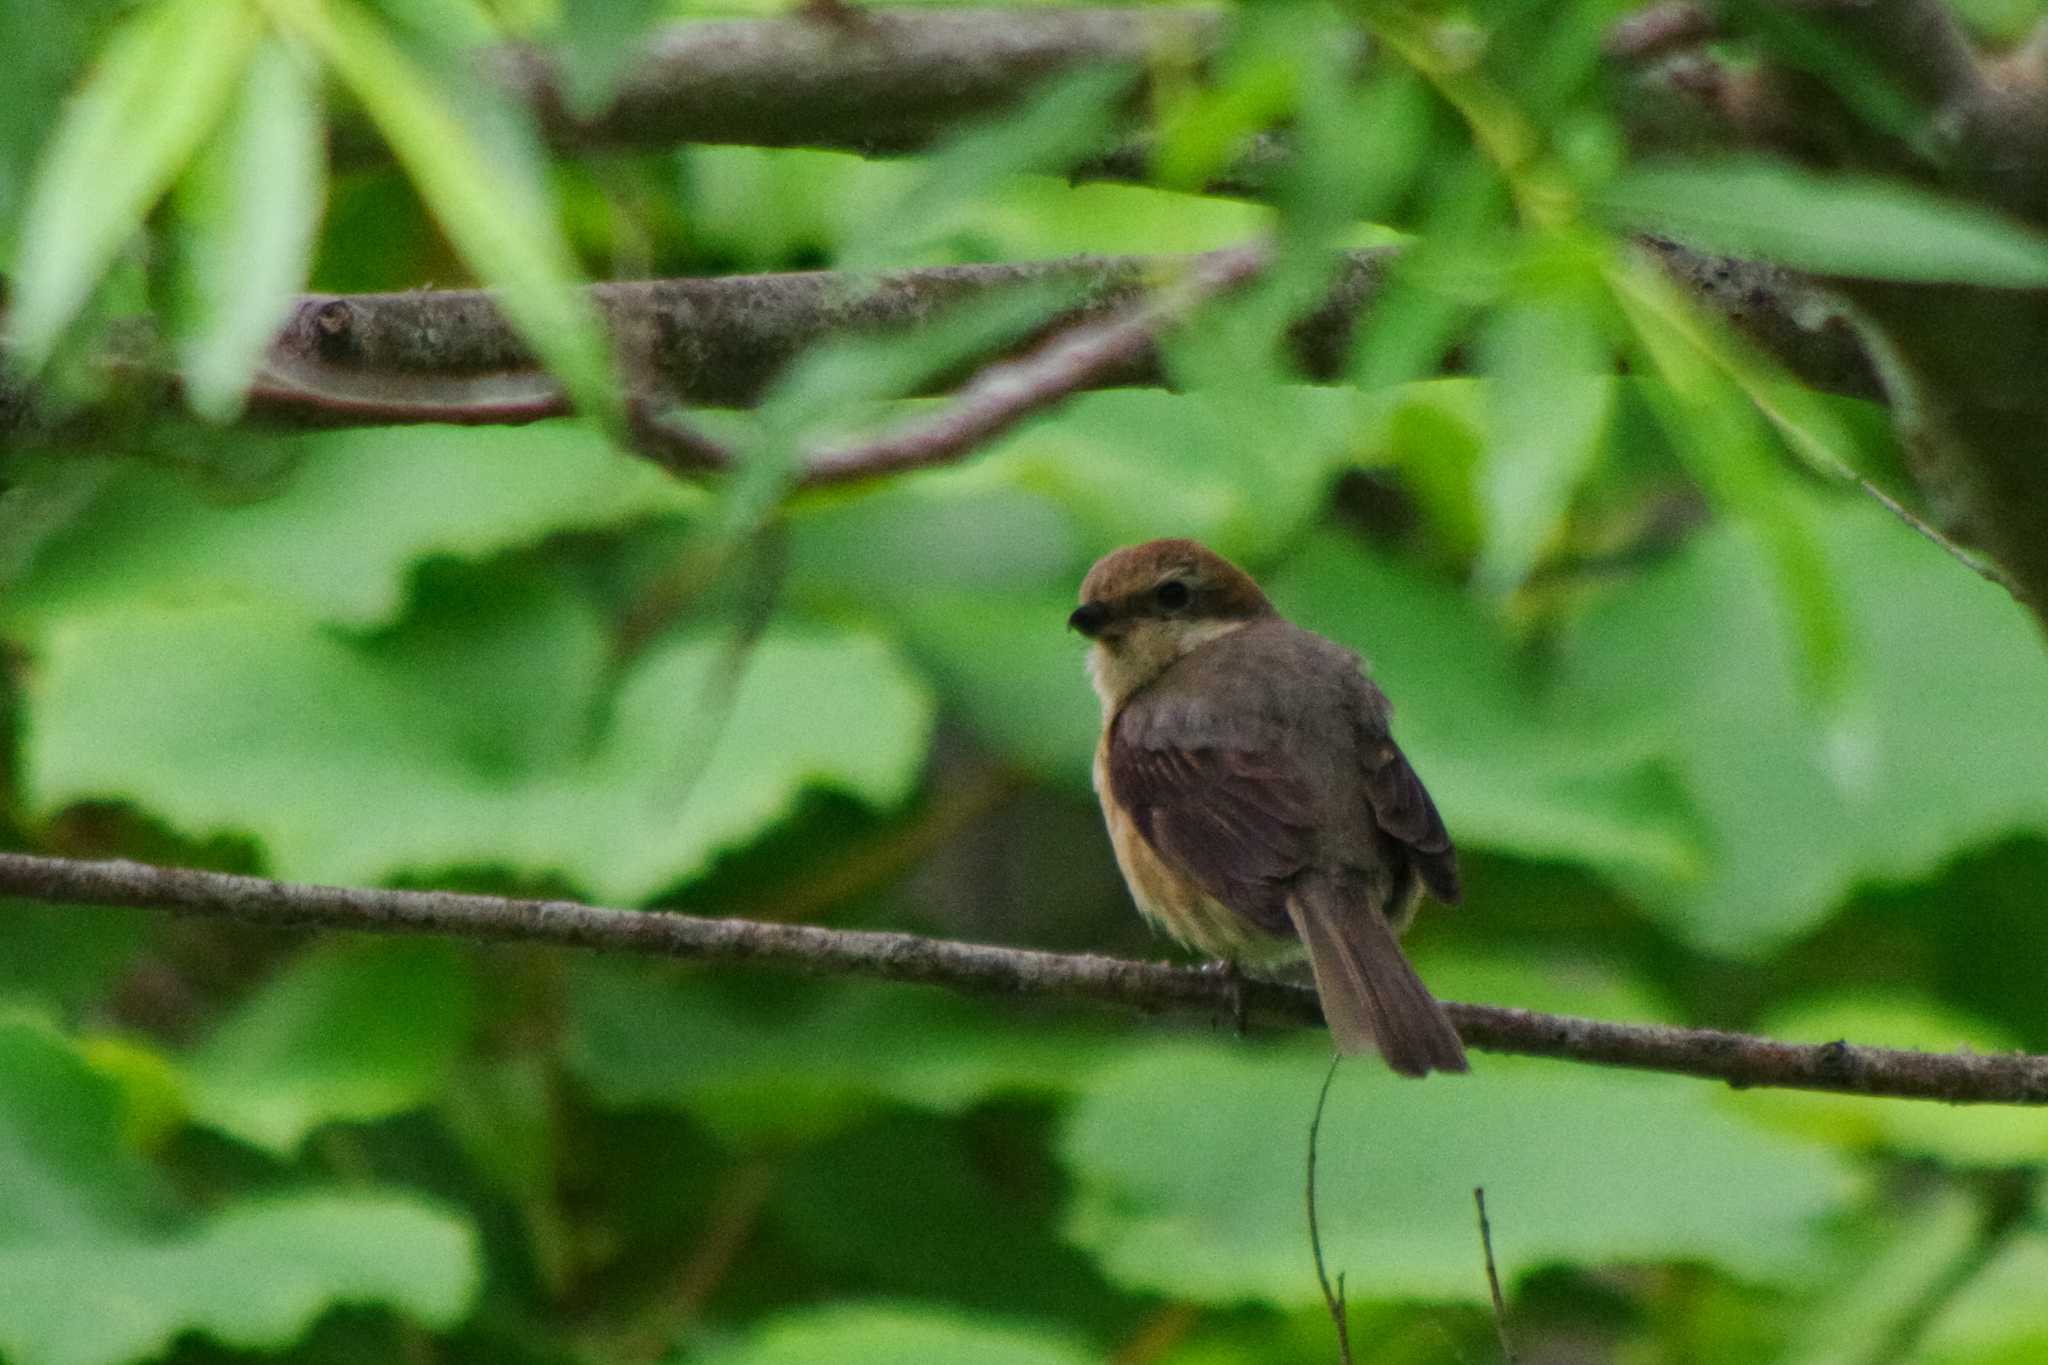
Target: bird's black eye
(1171,595)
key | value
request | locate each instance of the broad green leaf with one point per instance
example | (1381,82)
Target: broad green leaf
(1893,1267)
(1551,395)
(909,1204)
(1937,745)
(1251,86)
(762,206)
(350,1032)
(247,213)
(47,43)
(60,957)
(1716,409)
(67,1176)
(813,1061)
(1580,1166)
(1130,466)
(1998,1317)
(339,540)
(1008,663)
(896,1334)
(1982,1135)
(1853,226)
(97,1267)
(600,38)
(43,496)
(466,738)
(492,206)
(254,1277)
(1072,116)
(157,90)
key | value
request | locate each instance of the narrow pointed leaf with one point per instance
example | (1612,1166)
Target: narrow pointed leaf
(247,212)
(157,90)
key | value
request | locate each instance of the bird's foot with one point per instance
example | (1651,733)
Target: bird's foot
(1233,978)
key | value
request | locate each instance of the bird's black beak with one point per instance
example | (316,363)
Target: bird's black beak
(1089,618)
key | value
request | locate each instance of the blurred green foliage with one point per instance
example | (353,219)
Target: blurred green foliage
(1720,740)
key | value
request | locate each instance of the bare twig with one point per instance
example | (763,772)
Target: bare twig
(1333,1299)
(1500,1307)
(1741,1060)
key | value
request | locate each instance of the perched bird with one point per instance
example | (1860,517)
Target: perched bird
(1254,794)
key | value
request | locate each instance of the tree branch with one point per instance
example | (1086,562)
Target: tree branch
(890,82)
(450,356)
(1144,987)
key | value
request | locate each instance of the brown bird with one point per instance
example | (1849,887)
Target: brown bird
(1255,796)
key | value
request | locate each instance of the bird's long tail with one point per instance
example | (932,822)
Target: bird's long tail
(1371,997)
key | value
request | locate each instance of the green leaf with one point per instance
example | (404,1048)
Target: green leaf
(98,1268)
(1896,1264)
(67,1176)
(1054,128)
(157,90)
(61,957)
(349,1032)
(1833,225)
(910,1204)
(1936,746)
(810,1064)
(466,739)
(1716,403)
(487,197)
(761,207)
(247,212)
(1587,1167)
(43,496)
(47,43)
(879,1334)
(255,1277)
(339,540)
(600,38)
(1551,396)
(1997,1318)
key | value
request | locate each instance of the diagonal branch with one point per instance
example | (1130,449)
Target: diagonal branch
(1144,987)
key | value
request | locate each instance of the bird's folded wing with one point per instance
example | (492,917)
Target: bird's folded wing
(1402,808)
(1233,819)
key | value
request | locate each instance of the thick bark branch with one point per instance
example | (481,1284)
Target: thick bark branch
(449,356)
(1144,987)
(884,80)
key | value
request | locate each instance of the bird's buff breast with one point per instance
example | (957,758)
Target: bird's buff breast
(1171,900)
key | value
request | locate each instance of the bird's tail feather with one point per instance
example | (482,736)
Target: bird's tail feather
(1371,997)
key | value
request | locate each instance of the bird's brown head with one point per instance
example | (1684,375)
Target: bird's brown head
(1146,605)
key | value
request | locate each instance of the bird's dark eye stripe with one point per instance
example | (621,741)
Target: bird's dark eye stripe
(1172,594)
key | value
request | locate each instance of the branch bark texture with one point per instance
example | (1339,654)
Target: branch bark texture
(450,355)
(1142,987)
(877,80)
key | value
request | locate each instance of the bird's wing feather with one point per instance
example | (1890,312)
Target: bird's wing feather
(1401,805)
(1233,818)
